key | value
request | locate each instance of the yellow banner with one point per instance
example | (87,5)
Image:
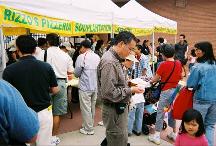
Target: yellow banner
(135,31)
(18,18)
(9,31)
(165,30)
(92,28)
(66,35)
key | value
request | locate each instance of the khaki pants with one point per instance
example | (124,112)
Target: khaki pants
(116,126)
(87,106)
(46,124)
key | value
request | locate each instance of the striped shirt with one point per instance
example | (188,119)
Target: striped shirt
(141,65)
(112,85)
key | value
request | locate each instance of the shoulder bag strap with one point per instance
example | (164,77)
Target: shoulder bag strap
(45,56)
(163,83)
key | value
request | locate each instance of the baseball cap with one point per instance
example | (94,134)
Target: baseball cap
(131,57)
(67,45)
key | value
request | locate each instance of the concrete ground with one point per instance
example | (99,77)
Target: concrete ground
(77,139)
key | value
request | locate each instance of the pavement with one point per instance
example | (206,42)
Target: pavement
(77,139)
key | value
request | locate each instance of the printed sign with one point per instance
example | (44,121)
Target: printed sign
(92,28)
(19,18)
(135,31)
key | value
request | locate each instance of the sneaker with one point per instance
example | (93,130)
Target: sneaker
(55,140)
(100,123)
(154,138)
(129,134)
(172,136)
(136,133)
(83,131)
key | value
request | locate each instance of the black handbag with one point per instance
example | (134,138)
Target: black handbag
(152,94)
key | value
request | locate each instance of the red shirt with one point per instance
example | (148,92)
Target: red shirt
(164,70)
(185,140)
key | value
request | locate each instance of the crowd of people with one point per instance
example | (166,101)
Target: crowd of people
(34,84)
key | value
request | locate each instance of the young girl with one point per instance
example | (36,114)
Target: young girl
(192,130)
(192,58)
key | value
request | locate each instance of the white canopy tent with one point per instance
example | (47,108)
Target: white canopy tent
(118,21)
(90,13)
(148,18)
(27,10)
(58,9)
(134,9)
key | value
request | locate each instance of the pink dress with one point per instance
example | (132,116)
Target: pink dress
(186,140)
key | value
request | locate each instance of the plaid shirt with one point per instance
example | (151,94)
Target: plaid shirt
(139,66)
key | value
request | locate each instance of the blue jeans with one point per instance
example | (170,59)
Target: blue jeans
(135,118)
(164,101)
(208,112)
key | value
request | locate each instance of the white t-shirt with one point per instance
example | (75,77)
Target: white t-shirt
(60,61)
(37,52)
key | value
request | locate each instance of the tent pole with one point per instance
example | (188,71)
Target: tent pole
(27,31)
(2,53)
(112,31)
(153,52)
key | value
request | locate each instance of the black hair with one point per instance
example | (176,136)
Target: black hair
(26,44)
(191,115)
(168,50)
(124,36)
(53,39)
(207,49)
(139,47)
(144,42)
(145,49)
(41,41)
(99,45)
(76,54)
(193,53)
(85,43)
(110,44)
(161,40)
(182,36)
(62,47)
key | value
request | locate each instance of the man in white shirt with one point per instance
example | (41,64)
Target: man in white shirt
(62,65)
(41,45)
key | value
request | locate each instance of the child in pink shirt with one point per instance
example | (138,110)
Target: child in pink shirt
(192,130)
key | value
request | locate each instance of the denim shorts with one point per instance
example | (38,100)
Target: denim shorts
(59,100)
